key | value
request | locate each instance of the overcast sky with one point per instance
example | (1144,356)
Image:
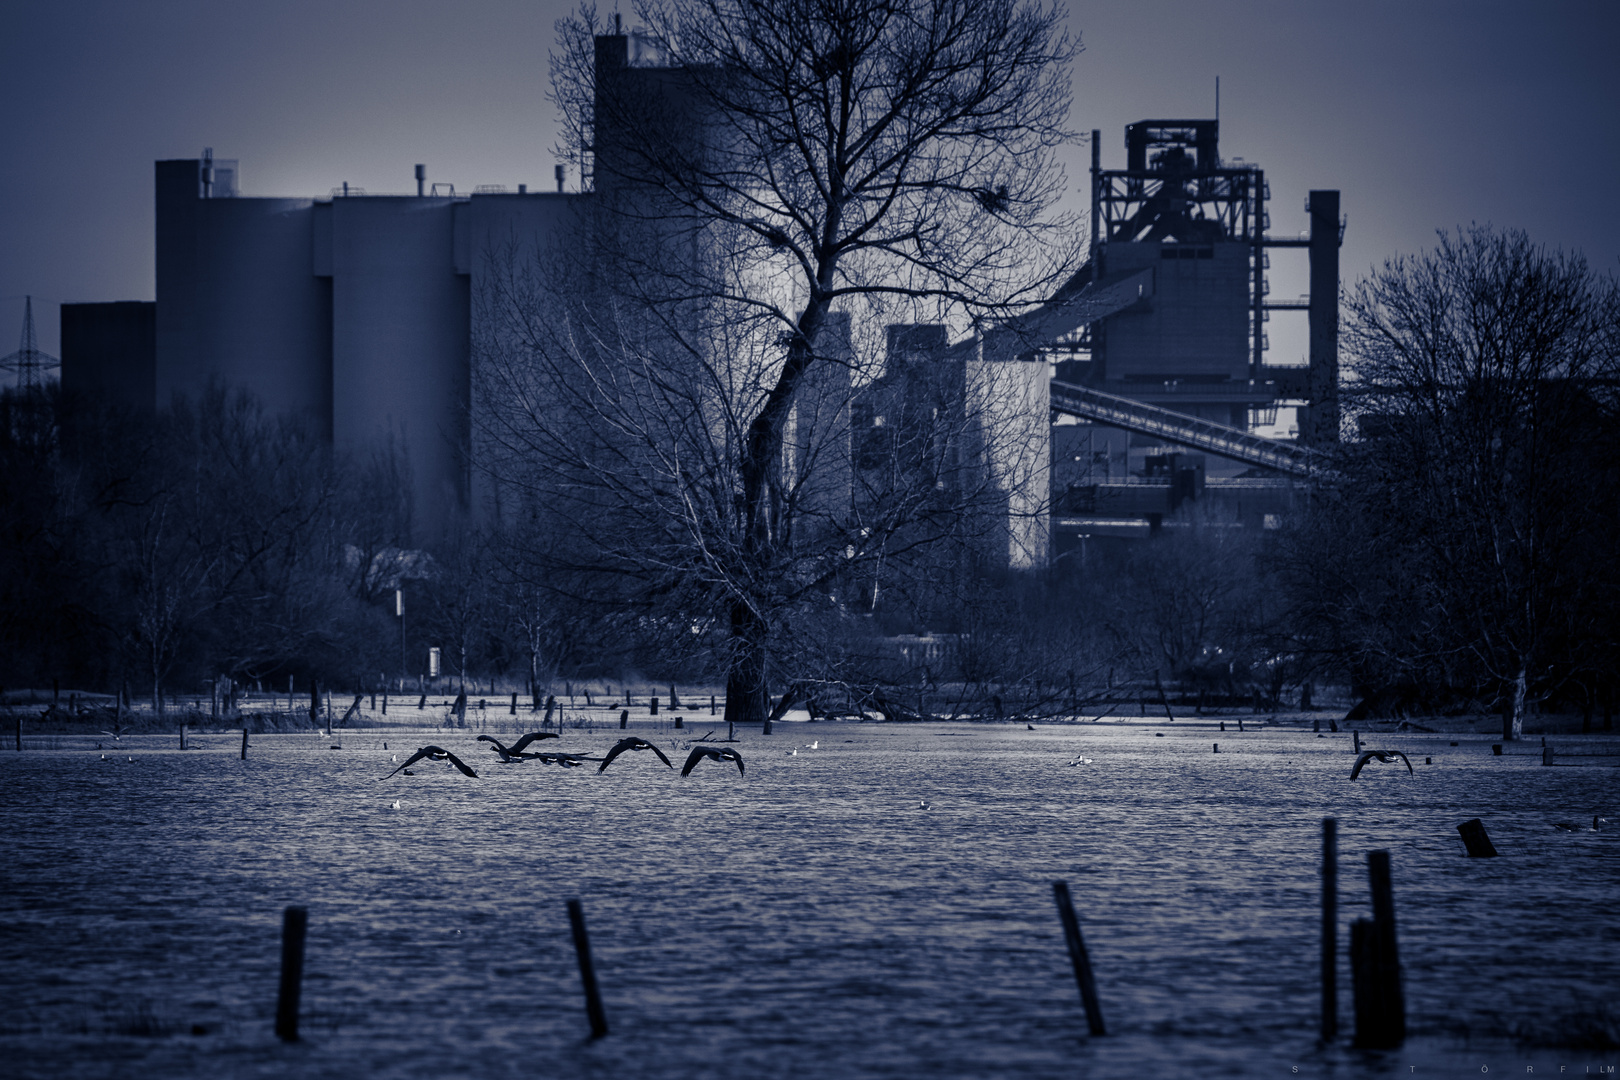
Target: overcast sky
(1425,114)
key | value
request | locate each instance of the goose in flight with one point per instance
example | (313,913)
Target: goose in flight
(567,761)
(515,753)
(435,753)
(632,743)
(714,753)
(1570,826)
(1381,755)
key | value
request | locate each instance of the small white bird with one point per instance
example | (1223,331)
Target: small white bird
(1078,761)
(793,753)
(922,804)
(395,806)
(813,746)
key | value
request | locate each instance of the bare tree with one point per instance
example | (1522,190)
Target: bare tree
(1471,543)
(776,179)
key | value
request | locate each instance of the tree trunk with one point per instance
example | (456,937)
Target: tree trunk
(157,696)
(746,701)
(1513,714)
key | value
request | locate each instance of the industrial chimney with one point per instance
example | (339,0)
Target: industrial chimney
(421,178)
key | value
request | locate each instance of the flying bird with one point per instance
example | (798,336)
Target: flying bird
(1381,755)
(515,753)
(1569,826)
(567,761)
(632,743)
(435,753)
(714,753)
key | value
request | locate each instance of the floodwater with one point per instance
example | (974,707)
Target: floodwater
(810,919)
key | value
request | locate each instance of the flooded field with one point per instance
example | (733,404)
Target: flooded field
(876,906)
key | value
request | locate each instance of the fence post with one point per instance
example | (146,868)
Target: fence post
(1376,964)
(1077,956)
(1330,929)
(1476,839)
(587,973)
(294,923)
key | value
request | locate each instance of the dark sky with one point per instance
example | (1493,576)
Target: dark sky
(1425,113)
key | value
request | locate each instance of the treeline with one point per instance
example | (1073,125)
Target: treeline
(1459,551)
(157,552)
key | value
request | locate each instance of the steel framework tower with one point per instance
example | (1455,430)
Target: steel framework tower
(28,362)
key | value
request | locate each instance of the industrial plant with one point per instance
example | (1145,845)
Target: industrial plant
(1143,379)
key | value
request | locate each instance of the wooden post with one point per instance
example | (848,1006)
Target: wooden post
(711,704)
(385,703)
(1546,755)
(182,736)
(551,704)
(1330,929)
(677,723)
(294,924)
(1217,747)
(1355,737)
(513,710)
(1476,840)
(244,742)
(1164,701)
(1078,957)
(652,705)
(1380,1002)
(1363,976)
(674,701)
(624,719)
(19,733)
(587,973)
(314,704)
(421,702)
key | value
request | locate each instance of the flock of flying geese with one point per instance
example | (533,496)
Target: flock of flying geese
(519,752)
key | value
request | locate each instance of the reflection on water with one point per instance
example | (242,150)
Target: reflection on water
(807,920)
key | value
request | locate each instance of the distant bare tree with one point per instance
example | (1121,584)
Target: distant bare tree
(1472,541)
(794,174)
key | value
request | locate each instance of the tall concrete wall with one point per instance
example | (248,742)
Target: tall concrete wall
(507,245)
(237,302)
(400,333)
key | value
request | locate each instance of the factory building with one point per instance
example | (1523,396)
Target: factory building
(359,311)
(354,310)
(1158,346)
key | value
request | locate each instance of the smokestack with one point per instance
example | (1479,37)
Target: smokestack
(561,173)
(1322,417)
(208,172)
(421,177)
